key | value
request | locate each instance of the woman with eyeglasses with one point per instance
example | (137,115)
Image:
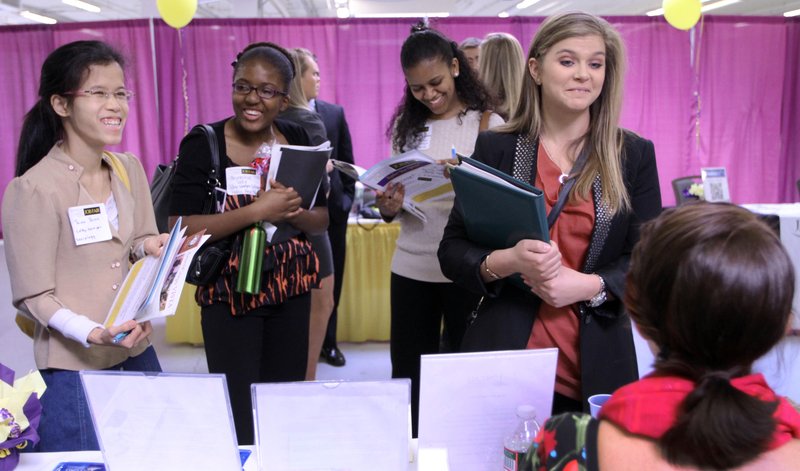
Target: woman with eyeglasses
(62,279)
(264,337)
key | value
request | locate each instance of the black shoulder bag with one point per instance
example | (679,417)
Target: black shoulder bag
(210,258)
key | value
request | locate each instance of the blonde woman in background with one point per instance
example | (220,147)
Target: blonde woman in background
(502,66)
(299,111)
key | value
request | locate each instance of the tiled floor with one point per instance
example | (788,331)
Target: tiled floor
(365,361)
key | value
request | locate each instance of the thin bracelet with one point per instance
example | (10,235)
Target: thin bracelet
(489,271)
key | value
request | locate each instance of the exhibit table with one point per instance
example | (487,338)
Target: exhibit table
(48,461)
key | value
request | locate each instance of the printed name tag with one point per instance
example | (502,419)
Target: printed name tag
(89,223)
(242,181)
(425,140)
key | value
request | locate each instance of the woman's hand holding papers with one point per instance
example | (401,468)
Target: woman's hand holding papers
(277,204)
(390,202)
(135,333)
(447,163)
(154,245)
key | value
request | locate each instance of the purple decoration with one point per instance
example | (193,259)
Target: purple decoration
(28,437)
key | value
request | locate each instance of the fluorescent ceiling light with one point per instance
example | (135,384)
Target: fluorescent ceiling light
(525,4)
(715,5)
(503,14)
(434,14)
(82,5)
(792,13)
(37,18)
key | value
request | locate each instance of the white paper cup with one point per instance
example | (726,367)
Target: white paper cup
(596,402)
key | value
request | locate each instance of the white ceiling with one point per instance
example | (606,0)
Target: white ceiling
(127,9)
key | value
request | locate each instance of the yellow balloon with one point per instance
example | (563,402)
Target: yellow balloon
(177,13)
(682,14)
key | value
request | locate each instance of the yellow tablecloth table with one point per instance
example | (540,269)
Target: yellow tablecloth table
(364,311)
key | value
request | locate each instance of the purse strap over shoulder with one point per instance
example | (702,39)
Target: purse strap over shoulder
(118,167)
(213,181)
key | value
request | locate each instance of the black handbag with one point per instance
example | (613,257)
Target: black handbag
(210,258)
(161,193)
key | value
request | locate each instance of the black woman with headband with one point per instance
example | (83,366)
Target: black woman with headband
(263,337)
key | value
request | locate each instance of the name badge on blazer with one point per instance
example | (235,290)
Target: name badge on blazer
(89,223)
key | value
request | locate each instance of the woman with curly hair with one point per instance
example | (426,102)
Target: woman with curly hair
(444,107)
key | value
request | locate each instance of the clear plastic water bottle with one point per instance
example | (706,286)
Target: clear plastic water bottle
(517,444)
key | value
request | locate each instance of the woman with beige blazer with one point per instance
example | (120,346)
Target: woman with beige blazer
(58,279)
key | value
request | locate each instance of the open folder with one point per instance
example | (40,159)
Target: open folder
(498,209)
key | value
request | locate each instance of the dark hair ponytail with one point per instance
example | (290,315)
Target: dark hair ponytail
(720,300)
(41,129)
(719,426)
(62,72)
(408,120)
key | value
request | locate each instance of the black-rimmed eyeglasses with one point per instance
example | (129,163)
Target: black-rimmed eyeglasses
(264,92)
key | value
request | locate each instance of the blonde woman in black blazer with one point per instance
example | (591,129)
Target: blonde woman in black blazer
(570,104)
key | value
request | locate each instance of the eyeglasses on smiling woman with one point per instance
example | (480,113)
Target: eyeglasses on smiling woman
(265,92)
(122,95)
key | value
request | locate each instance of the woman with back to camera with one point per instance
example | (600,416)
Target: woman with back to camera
(570,106)
(263,337)
(443,108)
(66,284)
(501,70)
(710,287)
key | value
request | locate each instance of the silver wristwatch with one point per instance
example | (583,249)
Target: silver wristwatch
(601,296)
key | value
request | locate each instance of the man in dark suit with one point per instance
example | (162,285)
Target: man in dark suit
(340,200)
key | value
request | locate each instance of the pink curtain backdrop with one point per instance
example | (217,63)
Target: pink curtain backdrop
(737,105)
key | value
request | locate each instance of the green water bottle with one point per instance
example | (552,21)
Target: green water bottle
(249,278)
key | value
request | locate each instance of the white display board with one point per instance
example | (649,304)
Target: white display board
(468,402)
(163,421)
(323,425)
